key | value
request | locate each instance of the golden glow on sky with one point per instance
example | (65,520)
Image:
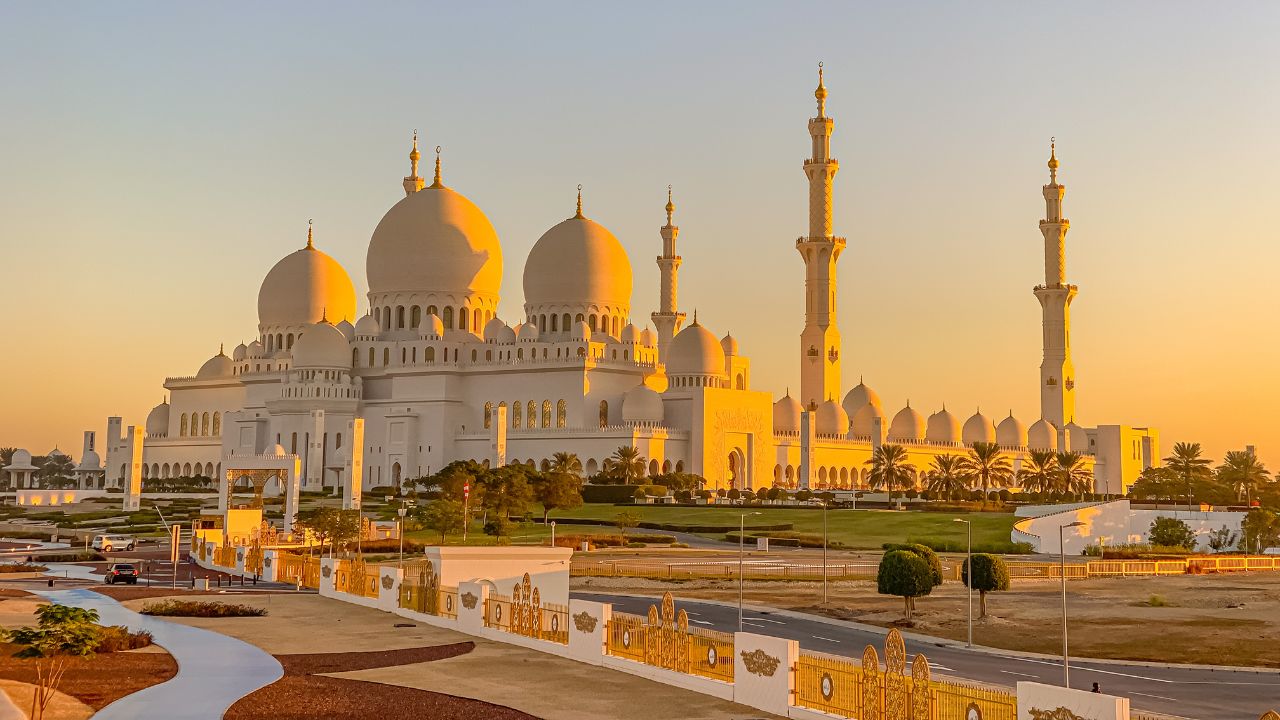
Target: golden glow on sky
(159,161)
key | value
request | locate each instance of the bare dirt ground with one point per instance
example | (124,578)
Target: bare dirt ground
(1211,619)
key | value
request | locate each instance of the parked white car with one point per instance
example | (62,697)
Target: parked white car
(110,543)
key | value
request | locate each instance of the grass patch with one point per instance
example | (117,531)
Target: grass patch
(201,609)
(21,568)
(74,557)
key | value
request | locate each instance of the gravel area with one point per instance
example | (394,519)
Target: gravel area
(99,680)
(314,663)
(136,592)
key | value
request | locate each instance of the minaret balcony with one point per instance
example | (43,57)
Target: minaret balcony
(834,240)
(1061,221)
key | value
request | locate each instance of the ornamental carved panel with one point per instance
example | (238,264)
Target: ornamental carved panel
(388,581)
(585,622)
(759,662)
(469,600)
(750,422)
(326,570)
(1059,713)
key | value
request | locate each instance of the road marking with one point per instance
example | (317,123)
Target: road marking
(1158,697)
(775,622)
(819,637)
(1089,669)
(703,622)
(1010,672)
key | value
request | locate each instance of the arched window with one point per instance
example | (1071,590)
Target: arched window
(337,441)
(386,356)
(653,467)
(679,466)
(582,352)
(404,355)
(579,318)
(555,323)
(473,355)
(182,431)
(217,423)
(399,317)
(288,340)
(546,413)
(488,355)
(564,322)
(395,474)
(430,354)
(355,357)
(532,418)
(415,317)
(372,359)
(488,414)
(448,318)
(386,318)
(462,318)
(204,424)
(604,413)
(293,444)
(519,353)
(431,310)
(592,322)
(740,383)
(516,407)
(666,466)
(476,319)
(186,469)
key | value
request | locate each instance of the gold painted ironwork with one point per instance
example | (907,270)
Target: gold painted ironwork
(829,683)
(897,694)
(253,559)
(956,699)
(1270,715)
(921,705)
(355,577)
(872,686)
(664,639)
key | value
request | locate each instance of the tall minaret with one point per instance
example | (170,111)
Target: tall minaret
(414,183)
(820,341)
(1057,374)
(668,319)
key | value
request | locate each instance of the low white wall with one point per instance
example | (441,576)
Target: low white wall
(762,676)
(1114,523)
(505,566)
(588,630)
(1045,699)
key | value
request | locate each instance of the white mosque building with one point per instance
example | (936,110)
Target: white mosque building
(428,373)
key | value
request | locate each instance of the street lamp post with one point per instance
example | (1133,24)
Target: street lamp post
(1062,568)
(402,512)
(742,528)
(553,533)
(969,564)
(824,552)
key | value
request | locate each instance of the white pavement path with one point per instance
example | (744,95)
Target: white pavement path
(214,671)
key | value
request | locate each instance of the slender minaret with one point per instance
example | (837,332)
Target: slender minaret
(1057,374)
(668,319)
(414,183)
(820,340)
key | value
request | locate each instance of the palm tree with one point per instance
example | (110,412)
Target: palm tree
(890,469)
(988,467)
(627,463)
(1073,477)
(1242,470)
(1187,464)
(1039,472)
(567,463)
(947,477)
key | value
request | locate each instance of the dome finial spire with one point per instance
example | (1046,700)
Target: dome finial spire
(222,348)
(821,93)
(324,314)
(310,243)
(1053,160)
(578,214)
(437,184)
(413,183)
(671,206)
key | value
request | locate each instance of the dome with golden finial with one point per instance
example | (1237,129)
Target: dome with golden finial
(1053,154)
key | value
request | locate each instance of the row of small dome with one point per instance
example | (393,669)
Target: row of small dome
(21,460)
(908,425)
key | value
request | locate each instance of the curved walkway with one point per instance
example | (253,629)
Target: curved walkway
(214,671)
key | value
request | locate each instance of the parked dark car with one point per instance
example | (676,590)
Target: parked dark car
(122,572)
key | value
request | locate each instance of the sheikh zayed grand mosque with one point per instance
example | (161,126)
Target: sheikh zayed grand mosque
(427,373)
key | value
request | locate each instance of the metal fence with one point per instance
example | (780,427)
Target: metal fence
(664,639)
(524,613)
(292,568)
(712,570)
(356,577)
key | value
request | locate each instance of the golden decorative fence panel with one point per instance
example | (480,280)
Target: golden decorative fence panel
(829,683)
(555,623)
(664,639)
(225,556)
(524,613)
(292,568)
(497,612)
(355,577)
(954,700)
(447,605)
(420,588)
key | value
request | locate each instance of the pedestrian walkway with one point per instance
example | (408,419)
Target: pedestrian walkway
(214,671)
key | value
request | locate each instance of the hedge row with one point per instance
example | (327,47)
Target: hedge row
(786,539)
(959,546)
(676,527)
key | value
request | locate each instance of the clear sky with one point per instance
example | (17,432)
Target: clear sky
(159,158)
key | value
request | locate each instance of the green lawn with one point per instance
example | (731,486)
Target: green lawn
(860,529)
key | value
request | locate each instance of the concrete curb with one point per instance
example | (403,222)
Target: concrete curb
(953,644)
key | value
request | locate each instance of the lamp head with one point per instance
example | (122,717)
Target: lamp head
(1074,524)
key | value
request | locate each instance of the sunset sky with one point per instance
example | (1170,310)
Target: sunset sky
(158,160)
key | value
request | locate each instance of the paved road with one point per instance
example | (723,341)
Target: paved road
(1187,692)
(214,670)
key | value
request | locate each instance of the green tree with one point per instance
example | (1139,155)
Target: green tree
(1224,538)
(946,477)
(1039,472)
(444,515)
(567,463)
(906,575)
(61,632)
(1260,529)
(626,520)
(1073,477)
(626,464)
(1155,483)
(1242,471)
(1172,532)
(1189,466)
(506,490)
(926,553)
(680,481)
(558,490)
(55,471)
(449,481)
(890,469)
(990,574)
(988,467)
(332,526)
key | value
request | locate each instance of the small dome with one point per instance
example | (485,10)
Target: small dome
(642,405)
(831,419)
(216,367)
(908,424)
(695,351)
(580,331)
(1077,440)
(347,329)
(240,352)
(528,332)
(90,461)
(431,326)
(579,263)
(729,344)
(648,337)
(1011,432)
(158,420)
(322,346)
(255,349)
(368,326)
(55,452)
(857,397)
(21,461)
(943,427)
(279,451)
(978,428)
(303,287)
(869,422)
(1042,436)
(630,334)
(786,414)
(494,331)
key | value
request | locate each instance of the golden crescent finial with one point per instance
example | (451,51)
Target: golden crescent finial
(310,246)
(579,213)
(438,182)
(671,206)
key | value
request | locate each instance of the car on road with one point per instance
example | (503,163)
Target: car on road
(109,543)
(122,572)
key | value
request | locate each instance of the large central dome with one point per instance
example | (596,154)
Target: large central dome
(434,241)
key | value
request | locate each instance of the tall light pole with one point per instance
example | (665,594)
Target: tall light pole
(968,563)
(742,531)
(1062,568)
(402,512)
(824,552)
